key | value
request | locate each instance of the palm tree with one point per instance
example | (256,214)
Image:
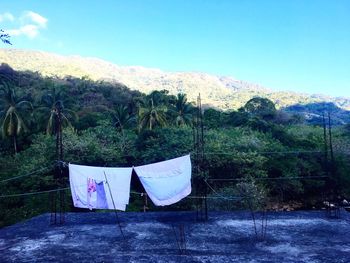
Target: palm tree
(53,104)
(183,111)
(122,117)
(151,114)
(11,109)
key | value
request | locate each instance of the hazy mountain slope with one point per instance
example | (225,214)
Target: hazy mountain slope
(221,92)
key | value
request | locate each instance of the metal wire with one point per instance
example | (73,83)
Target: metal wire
(221,196)
(34,193)
(132,192)
(25,175)
(281,152)
(268,178)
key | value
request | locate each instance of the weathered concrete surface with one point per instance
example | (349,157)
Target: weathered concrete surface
(226,237)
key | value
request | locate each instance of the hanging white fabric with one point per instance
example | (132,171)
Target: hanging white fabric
(90,189)
(166,182)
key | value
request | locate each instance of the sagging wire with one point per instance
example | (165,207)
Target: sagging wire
(25,175)
(234,198)
(274,178)
(35,193)
(132,192)
(256,152)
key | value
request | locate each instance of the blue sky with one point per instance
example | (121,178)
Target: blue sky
(296,45)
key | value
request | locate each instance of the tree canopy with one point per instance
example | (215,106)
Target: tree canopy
(111,125)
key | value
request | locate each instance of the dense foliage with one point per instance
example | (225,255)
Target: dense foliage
(216,91)
(109,125)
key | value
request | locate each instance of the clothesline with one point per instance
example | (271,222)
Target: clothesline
(36,172)
(194,153)
(192,197)
(276,152)
(165,183)
(132,192)
(168,168)
(221,196)
(268,178)
(227,153)
(35,193)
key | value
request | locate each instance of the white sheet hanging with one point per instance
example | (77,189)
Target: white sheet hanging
(166,182)
(118,179)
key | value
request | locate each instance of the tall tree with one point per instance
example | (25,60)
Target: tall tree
(122,117)
(52,102)
(183,111)
(11,109)
(261,107)
(151,114)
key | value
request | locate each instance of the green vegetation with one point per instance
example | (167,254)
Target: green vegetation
(220,92)
(108,124)
(12,108)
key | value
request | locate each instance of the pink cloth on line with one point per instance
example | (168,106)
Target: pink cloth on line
(85,194)
(91,188)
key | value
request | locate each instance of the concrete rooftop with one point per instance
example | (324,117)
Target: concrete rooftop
(150,237)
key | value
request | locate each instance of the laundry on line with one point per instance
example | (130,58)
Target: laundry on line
(118,180)
(165,182)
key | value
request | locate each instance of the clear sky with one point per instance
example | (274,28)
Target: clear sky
(299,45)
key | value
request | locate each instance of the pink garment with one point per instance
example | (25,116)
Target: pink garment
(116,193)
(91,188)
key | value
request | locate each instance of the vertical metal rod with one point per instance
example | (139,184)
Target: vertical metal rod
(333,185)
(326,193)
(325,143)
(60,135)
(115,209)
(330,138)
(56,172)
(181,239)
(198,138)
(184,238)
(205,202)
(202,127)
(59,179)
(57,130)
(331,154)
(63,206)
(53,217)
(199,155)
(177,240)
(333,168)
(145,202)
(202,157)
(195,180)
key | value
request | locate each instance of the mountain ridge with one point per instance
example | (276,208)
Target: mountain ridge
(224,92)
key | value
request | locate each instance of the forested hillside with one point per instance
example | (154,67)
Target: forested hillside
(107,124)
(217,91)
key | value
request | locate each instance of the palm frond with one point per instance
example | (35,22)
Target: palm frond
(50,124)
(20,124)
(25,103)
(5,125)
